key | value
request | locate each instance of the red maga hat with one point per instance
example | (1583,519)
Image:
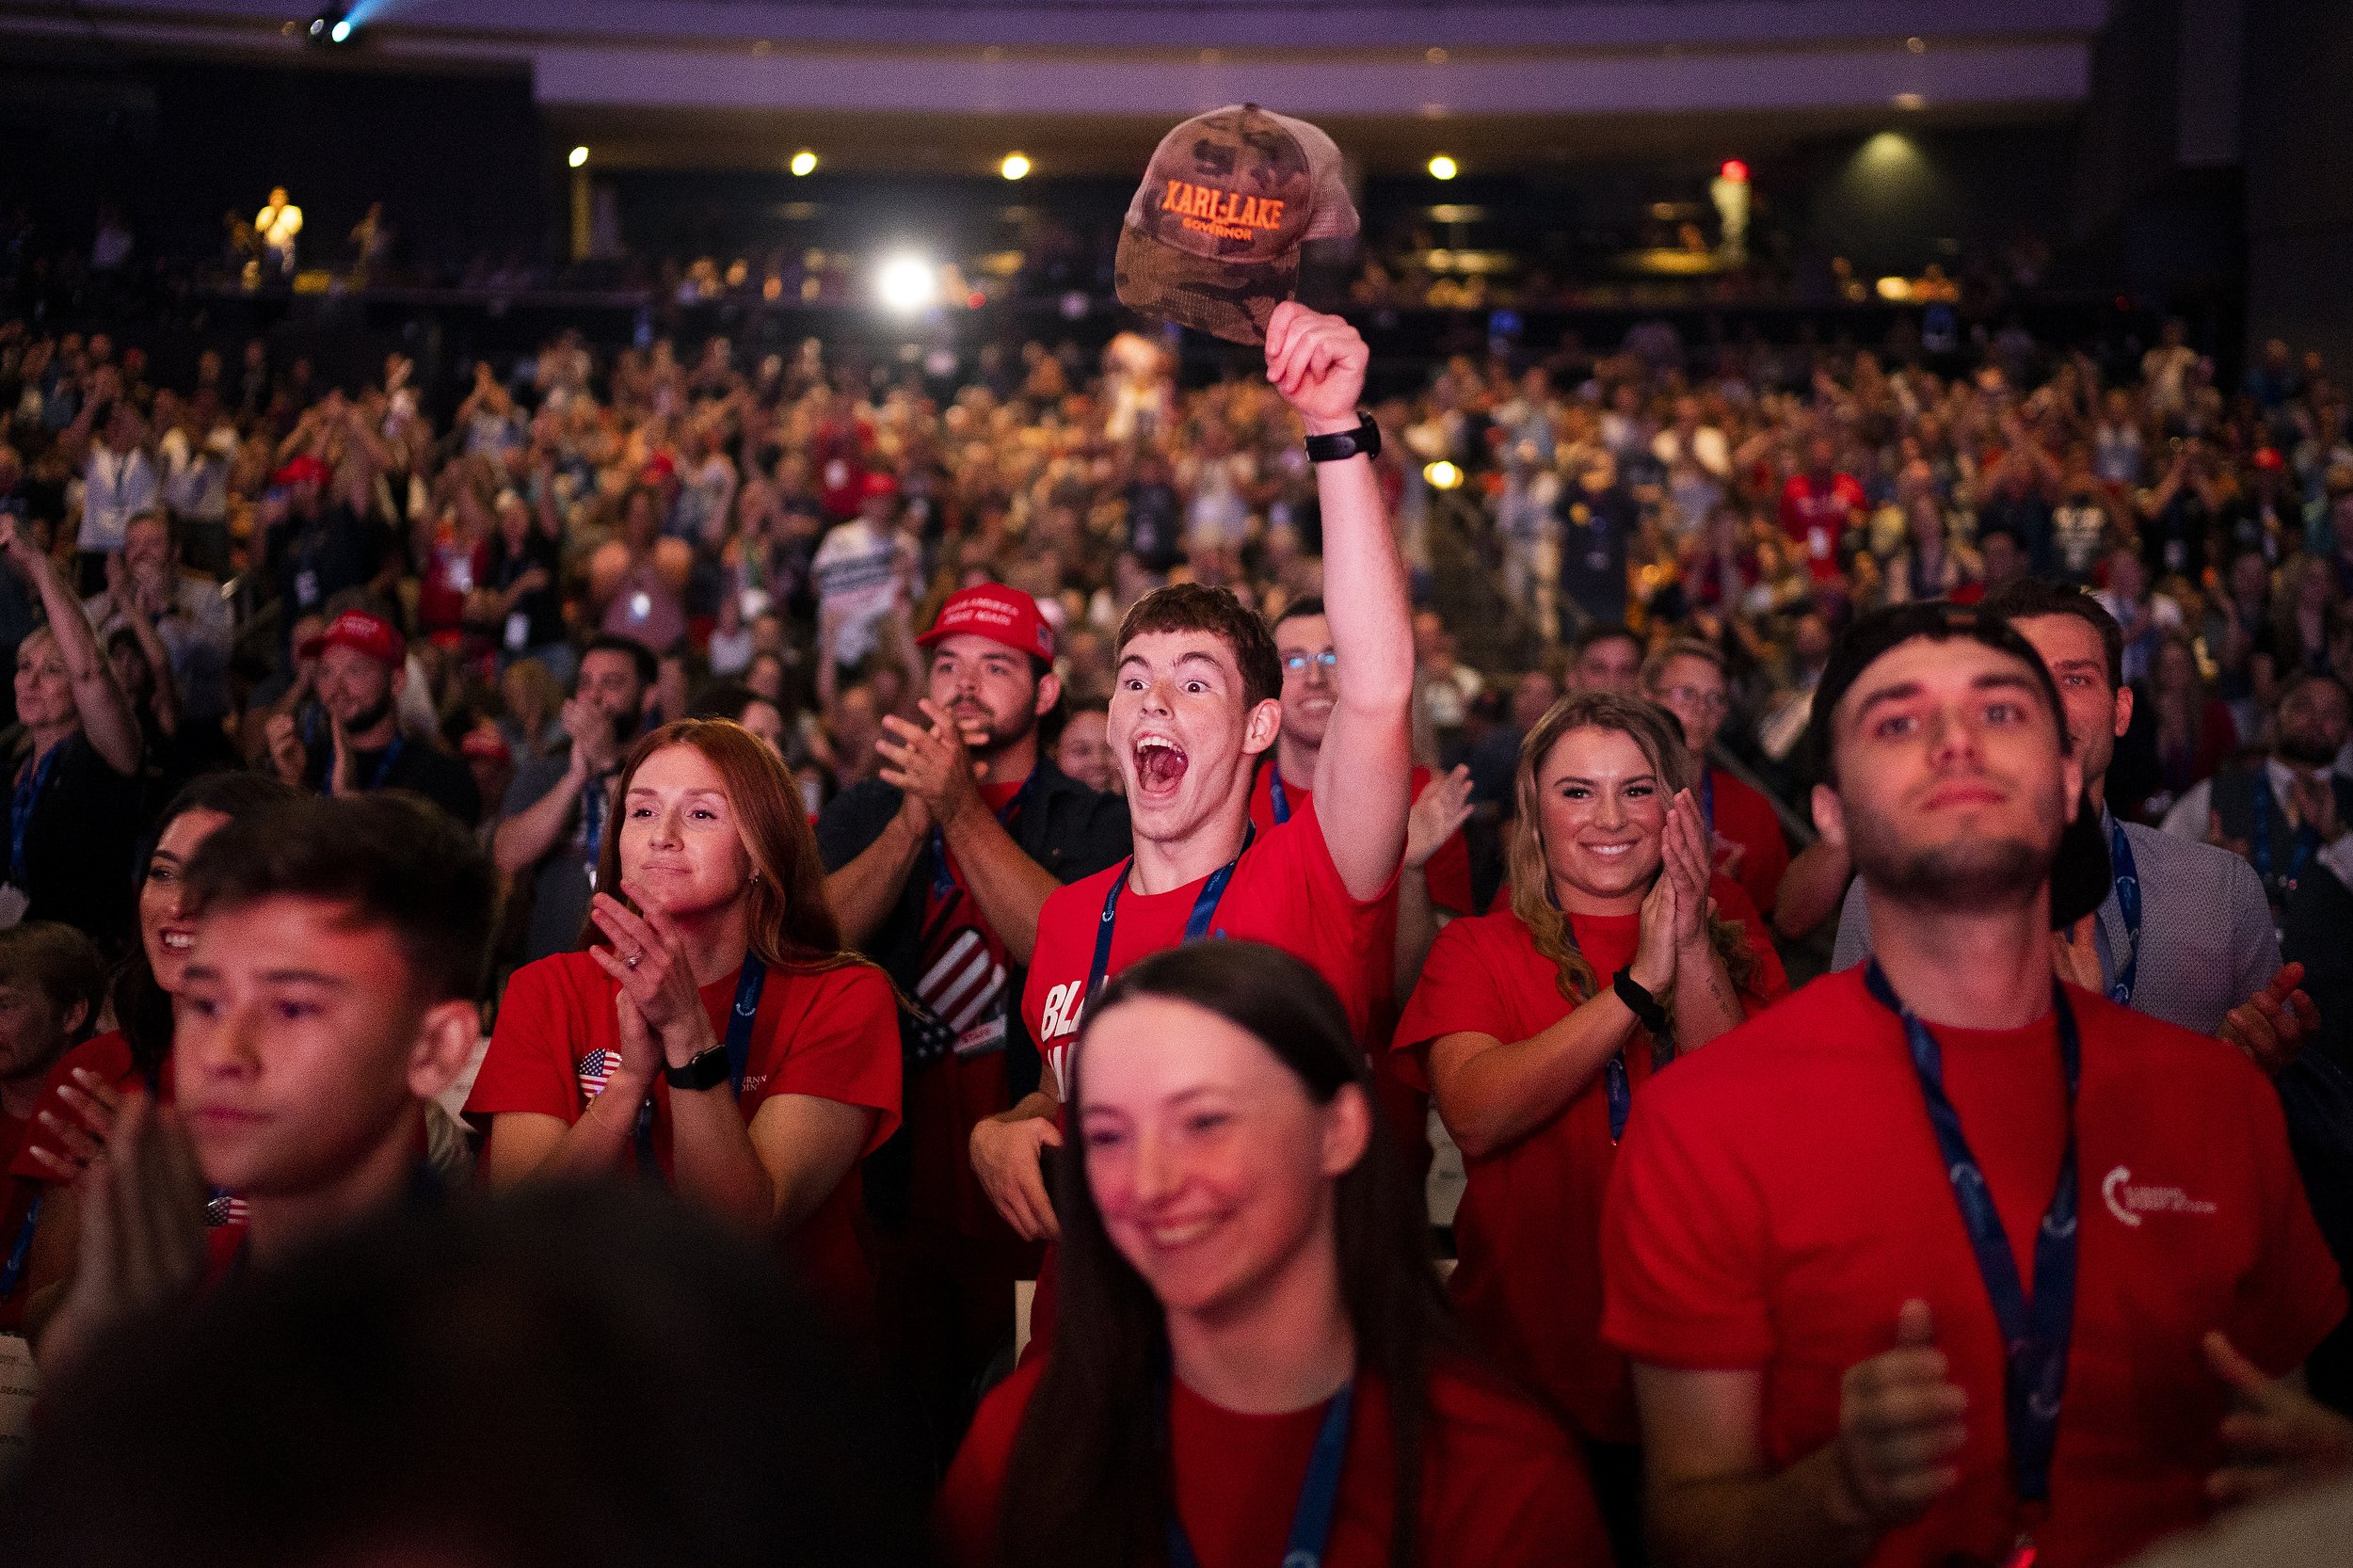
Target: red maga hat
(1001,615)
(360,633)
(878,484)
(302,467)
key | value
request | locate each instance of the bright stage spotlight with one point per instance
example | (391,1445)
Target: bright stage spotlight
(579,158)
(907,284)
(804,162)
(1014,167)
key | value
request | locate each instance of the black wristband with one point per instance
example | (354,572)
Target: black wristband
(1365,438)
(1638,998)
(704,1070)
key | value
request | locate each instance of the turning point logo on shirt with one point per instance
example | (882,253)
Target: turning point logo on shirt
(2130,1203)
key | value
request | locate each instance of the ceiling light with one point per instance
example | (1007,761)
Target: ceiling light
(804,162)
(1444,168)
(1014,167)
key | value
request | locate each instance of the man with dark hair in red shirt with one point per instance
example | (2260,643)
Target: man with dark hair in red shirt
(1925,1265)
(1196,701)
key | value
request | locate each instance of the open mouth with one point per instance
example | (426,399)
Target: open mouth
(1611,851)
(1161,764)
(176,938)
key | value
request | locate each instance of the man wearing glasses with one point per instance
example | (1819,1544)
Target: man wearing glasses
(1686,679)
(1436,884)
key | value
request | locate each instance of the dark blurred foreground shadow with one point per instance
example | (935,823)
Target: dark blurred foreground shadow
(563,1379)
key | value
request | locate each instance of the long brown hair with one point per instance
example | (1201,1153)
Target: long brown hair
(1089,1479)
(789,923)
(1660,737)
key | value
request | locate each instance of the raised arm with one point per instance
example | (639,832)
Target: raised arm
(106,716)
(1366,769)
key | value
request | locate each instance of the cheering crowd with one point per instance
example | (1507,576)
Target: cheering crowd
(1040,825)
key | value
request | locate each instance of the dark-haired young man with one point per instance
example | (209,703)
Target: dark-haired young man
(1994,1347)
(2184,933)
(937,871)
(1195,703)
(331,994)
(558,806)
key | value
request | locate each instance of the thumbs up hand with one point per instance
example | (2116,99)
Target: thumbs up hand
(2277,1438)
(1900,1419)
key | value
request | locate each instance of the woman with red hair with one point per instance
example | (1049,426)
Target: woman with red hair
(713,1034)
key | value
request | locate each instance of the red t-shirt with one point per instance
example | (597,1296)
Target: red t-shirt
(1404,1107)
(1815,519)
(833,1034)
(1780,1195)
(1748,819)
(1285,891)
(963,983)
(1447,873)
(108,1056)
(1529,1232)
(453,569)
(1502,1489)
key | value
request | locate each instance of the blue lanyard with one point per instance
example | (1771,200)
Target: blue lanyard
(1708,798)
(13,1270)
(1615,1083)
(21,808)
(2036,1330)
(1197,925)
(2128,900)
(1274,789)
(749,984)
(383,768)
(2306,840)
(943,883)
(1319,1496)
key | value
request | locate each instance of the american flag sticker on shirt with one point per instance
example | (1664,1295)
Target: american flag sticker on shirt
(595,1069)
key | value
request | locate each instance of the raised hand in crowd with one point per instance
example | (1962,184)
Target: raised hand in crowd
(2272,1025)
(1438,813)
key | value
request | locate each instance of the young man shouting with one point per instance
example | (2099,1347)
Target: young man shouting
(1195,703)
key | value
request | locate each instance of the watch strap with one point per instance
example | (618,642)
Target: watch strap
(1365,438)
(704,1070)
(1638,998)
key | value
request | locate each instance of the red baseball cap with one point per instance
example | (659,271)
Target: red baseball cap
(485,742)
(360,633)
(1001,615)
(878,485)
(302,467)
(2269,458)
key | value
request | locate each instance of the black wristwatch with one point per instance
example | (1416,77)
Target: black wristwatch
(1365,438)
(703,1071)
(1638,998)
